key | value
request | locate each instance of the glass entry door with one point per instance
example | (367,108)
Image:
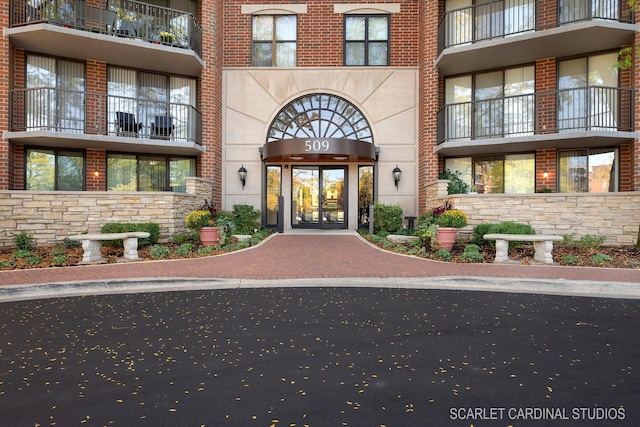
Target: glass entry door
(318,197)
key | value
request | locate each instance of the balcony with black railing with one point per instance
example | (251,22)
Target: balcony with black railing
(564,118)
(501,33)
(121,32)
(76,119)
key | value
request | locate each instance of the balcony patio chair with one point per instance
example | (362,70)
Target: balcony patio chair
(126,124)
(162,127)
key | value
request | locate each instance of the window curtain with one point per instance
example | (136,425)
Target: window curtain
(519,102)
(70,82)
(519,173)
(179,170)
(122,91)
(182,96)
(152,173)
(458,92)
(519,16)
(488,19)
(572,171)
(122,172)
(488,104)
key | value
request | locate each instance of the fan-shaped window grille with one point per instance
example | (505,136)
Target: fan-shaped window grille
(320,116)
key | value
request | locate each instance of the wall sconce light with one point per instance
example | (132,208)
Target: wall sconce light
(396,175)
(242,172)
(96,174)
(545,174)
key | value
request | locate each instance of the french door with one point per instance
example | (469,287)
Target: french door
(319,197)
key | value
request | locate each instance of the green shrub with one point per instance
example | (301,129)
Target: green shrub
(570,259)
(600,258)
(472,253)
(33,260)
(22,253)
(456,184)
(417,251)
(401,249)
(246,218)
(184,249)
(444,254)
(59,260)
(58,252)
(505,227)
(159,251)
(590,241)
(427,233)
(127,227)
(191,236)
(24,241)
(205,250)
(387,217)
(69,244)
(225,221)
(7,264)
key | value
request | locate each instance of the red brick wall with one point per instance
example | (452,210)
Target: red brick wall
(320,33)
(210,92)
(5,84)
(546,161)
(96,167)
(430,97)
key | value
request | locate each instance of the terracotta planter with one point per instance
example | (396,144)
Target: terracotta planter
(210,236)
(447,237)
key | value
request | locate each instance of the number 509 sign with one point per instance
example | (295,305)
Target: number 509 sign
(316,145)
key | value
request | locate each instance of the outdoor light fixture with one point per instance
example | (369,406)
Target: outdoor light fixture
(242,172)
(396,175)
(545,174)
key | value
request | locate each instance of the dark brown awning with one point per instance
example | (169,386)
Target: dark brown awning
(318,149)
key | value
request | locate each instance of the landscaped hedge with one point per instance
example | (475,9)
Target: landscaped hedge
(387,218)
(127,227)
(505,227)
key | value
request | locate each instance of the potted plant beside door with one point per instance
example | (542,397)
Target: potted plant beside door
(202,222)
(449,222)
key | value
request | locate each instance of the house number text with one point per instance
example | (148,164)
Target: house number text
(316,145)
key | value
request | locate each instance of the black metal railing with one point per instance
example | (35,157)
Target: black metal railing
(566,110)
(124,18)
(67,111)
(493,20)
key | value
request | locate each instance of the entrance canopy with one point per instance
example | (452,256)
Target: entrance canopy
(319,127)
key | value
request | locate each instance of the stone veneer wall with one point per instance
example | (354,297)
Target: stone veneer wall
(615,216)
(50,216)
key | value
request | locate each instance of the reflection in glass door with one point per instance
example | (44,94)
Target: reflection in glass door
(318,197)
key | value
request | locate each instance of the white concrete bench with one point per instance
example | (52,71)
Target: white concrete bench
(542,243)
(91,245)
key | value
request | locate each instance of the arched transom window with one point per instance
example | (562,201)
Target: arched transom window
(320,116)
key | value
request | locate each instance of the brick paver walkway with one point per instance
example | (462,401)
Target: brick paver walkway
(310,256)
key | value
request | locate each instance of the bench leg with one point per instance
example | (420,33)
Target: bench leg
(130,248)
(91,250)
(543,252)
(502,251)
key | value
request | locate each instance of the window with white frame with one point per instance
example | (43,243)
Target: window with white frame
(274,40)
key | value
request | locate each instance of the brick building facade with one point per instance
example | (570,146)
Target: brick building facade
(319,101)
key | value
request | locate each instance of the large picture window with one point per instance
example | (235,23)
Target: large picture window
(508,173)
(49,170)
(366,40)
(593,170)
(274,41)
(145,172)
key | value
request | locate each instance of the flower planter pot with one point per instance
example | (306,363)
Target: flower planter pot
(447,237)
(210,236)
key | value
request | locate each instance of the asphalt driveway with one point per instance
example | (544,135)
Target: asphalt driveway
(320,356)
